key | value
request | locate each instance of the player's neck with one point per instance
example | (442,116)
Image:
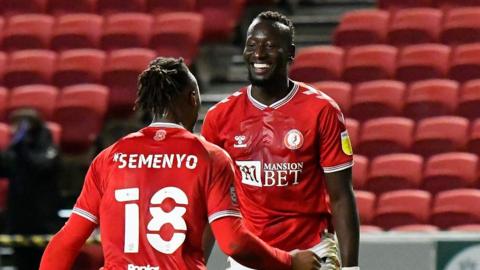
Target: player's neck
(272,92)
(167,118)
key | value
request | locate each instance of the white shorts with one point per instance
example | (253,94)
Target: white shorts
(327,250)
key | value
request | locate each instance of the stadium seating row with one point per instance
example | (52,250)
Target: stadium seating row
(77,112)
(375,62)
(408,26)
(438,173)
(443,4)
(220,16)
(118,70)
(407,207)
(420,228)
(429,136)
(170,34)
(419,100)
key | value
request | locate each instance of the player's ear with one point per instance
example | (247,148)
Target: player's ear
(193,97)
(291,53)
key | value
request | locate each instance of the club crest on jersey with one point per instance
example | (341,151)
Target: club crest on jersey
(240,141)
(293,139)
(160,135)
(346,145)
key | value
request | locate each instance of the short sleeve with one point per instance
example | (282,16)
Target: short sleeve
(335,147)
(220,193)
(209,131)
(88,203)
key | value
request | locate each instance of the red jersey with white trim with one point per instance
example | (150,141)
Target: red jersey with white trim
(152,193)
(282,153)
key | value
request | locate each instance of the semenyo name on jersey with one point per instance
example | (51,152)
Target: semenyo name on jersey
(155,161)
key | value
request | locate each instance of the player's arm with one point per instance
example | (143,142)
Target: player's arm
(65,245)
(345,217)
(237,242)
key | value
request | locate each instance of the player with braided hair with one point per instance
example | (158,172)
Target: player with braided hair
(154,192)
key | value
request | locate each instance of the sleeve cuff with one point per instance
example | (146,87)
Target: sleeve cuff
(85,214)
(338,167)
(225,213)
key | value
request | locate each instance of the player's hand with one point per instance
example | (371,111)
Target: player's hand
(305,260)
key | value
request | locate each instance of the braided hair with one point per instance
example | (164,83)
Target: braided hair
(160,83)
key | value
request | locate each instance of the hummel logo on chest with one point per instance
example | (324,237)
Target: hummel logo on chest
(240,141)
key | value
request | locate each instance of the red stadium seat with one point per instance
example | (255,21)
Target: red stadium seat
(3,102)
(3,65)
(394,5)
(461,26)
(469,104)
(13,7)
(377,99)
(414,26)
(366,205)
(361,27)
(220,18)
(474,138)
(368,63)
(450,171)
(121,73)
(449,4)
(42,98)
(177,35)
(4,184)
(385,174)
(5,135)
(126,30)
(416,228)
(29,67)
(353,128)
(79,66)
(385,136)
(456,207)
(439,135)
(474,228)
(59,7)
(465,64)
(370,229)
(431,98)
(74,31)
(162,6)
(341,92)
(29,31)
(317,63)
(56,131)
(402,207)
(80,112)
(423,61)
(119,6)
(359,171)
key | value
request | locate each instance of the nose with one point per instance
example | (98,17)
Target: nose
(259,52)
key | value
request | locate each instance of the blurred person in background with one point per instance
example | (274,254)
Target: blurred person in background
(30,163)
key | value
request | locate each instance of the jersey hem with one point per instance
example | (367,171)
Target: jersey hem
(225,213)
(338,167)
(85,214)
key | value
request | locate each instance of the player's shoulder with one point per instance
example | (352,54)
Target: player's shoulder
(315,97)
(229,102)
(214,152)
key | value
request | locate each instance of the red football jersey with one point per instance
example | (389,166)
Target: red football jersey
(152,193)
(282,152)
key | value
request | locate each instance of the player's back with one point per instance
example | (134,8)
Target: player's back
(154,205)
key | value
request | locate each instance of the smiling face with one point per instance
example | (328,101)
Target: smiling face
(268,51)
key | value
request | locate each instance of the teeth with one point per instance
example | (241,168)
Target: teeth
(261,65)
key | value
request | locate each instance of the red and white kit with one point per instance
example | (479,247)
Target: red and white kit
(155,190)
(282,153)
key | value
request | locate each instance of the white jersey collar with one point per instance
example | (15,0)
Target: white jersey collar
(276,104)
(166,125)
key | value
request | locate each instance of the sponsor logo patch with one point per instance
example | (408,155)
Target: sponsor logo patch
(346,145)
